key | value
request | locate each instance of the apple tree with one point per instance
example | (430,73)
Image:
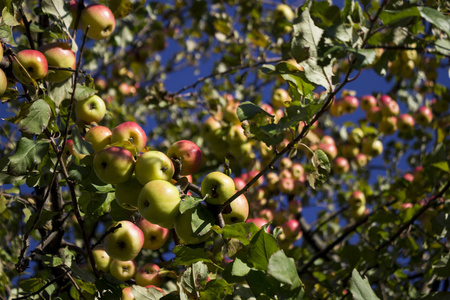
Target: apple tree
(226,149)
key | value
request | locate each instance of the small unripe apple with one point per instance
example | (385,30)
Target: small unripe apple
(356,136)
(361,160)
(123,270)
(358,212)
(183,229)
(372,147)
(102,259)
(285,163)
(297,171)
(336,109)
(218,186)
(154,165)
(423,116)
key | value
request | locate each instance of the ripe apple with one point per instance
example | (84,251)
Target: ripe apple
(132,132)
(329,149)
(148,275)
(125,242)
(99,137)
(423,116)
(90,110)
(102,259)
(29,63)
(59,54)
(218,186)
(281,98)
(361,160)
(367,102)
(267,107)
(3,82)
(155,236)
(127,294)
(408,177)
(374,114)
(69,150)
(349,104)
(357,199)
(286,185)
(385,100)
(405,123)
(341,165)
(154,165)
(100,19)
(238,211)
(336,109)
(372,147)
(297,171)
(127,193)
(114,165)
(285,163)
(291,229)
(190,155)
(239,183)
(259,222)
(158,203)
(123,270)
(327,139)
(388,125)
(183,229)
(390,108)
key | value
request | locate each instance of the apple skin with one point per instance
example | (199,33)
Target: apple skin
(259,222)
(388,125)
(190,155)
(239,211)
(374,114)
(358,212)
(123,270)
(357,199)
(148,275)
(99,137)
(390,109)
(100,19)
(132,132)
(34,63)
(423,116)
(367,102)
(102,259)
(329,149)
(349,104)
(361,160)
(69,150)
(183,229)
(127,193)
(372,147)
(159,202)
(59,54)
(114,165)
(239,183)
(154,165)
(90,110)
(127,294)
(125,242)
(336,109)
(280,98)
(286,185)
(341,165)
(219,186)
(155,236)
(291,229)
(3,82)
(405,123)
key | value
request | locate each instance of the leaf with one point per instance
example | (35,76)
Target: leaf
(261,248)
(261,284)
(82,92)
(429,14)
(6,35)
(202,220)
(186,256)
(442,267)
(216,289)
(80,145)
(58,8)
(189,202)
(239,267)
(45,216)
(283,269)
(142,293)
(121,8)
(8,18)
(32,284)
(59,92)
(193,276)
(37,117)
(51,260)
(248,110)
(82,274)
(244,232)
(443,46)
(360,288)
(28,155)
(320,160)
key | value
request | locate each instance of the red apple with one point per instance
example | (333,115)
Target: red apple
(405,123)
(28,65)
(114,165)
(357,199)
(329,149)
(155,236)
(259,222)
(189,154)
(148,275)
(99,137)
(361,160)
(390,108)
(132,132)
(59,54)
(100,19)
(341,165)
(291,229)
(367,102)
(423,116)
(349,104)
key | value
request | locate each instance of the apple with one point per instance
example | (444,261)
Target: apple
(237,212)
(189,154)
(272,179)
(385,100)
(349,150)
(336,109)
(285,163)
(154,165)
(297,171)
(295,206)
(281,98)
(100,19)
(286,185)
(284,11)
(405,123)
(148,275)
(132,132)
(356,136)
(408,177)
(69,150)
(59,54)
(229,112)
(341,165)
(155,236)
(349,104)
(114,165)
(28,65)
(372,147)
(259,222)
(102,259)
(239,183)
(267,107)
(266,213)
(158,203)
(218,186)
(125,242)
(123,270)
(183,229)
(127,193)
(423,116)
(374,114)
(361,160)
(329,149)
(211,128)
(358,212)
(99,137)
(291,229)
(3,81)
(388,125)
(90,110)
(236,136)
(390,108)
(127,294)
(367,102)
(357,199)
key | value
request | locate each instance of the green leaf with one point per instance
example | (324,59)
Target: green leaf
(364,57)
(80,145)
(83,274)
(442,267)
(216,289)
(283,268)
(51,260)
(29,154)
(202,220)
(37,117)
(186,256)
(244,232)
(32,284)
(261,248)
(239,268)
(247,111)
(6,34)
(320,160)
(45,216)
(360,288)
(59,92)
(189,202)
(142,293)
(443,46)
(193,276)
(262,284)
(82,92)
(58,8)
(429,14)
(121,8)
(8,18)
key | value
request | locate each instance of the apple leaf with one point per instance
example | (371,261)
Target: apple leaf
(121,8)
(360,288)
(202,220)
(261,248)
(239,268)
(244,232)
(216,289)
(262,284)
(8,18)
(189,202)
(283,268)
(80,145)
(58,8)
(82,274)
(248,111)
(6,35)
(51,260)
(442,267)
(142,293)
(60,91)
(185,256)
(32,284)
(45,216)
(193,276)
(82,92)
(29,154)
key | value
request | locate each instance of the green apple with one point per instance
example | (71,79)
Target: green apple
(132,132)
(114,165)
(148,274)
(125,242)
(155,236)
(29,64)
(281,98)
(90,110)
(158,203)
(356,136)
(123,270)
(237,212)
(100,19)
(218,186)
(183,229)
(59,54)
(154,165)
(388,125)
(127,193)
(372,147)
(102,259)
(358,212)
(189,154)
(99,137)
(3,81)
